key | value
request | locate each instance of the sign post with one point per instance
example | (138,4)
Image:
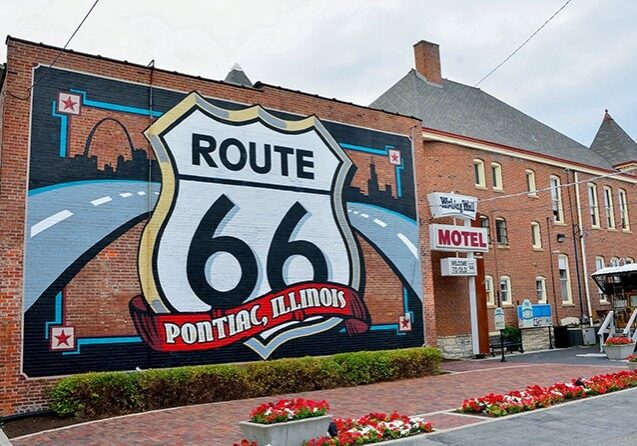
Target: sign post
(500,323)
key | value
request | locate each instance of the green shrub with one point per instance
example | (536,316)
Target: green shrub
(113,393)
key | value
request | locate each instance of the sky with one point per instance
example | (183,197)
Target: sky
(582,62)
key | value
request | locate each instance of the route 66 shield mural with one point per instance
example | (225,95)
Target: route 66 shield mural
(249,241)
(207,231)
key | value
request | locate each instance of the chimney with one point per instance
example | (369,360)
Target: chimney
(427,56)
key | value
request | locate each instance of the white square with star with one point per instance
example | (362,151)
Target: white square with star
(62,338)
(404,323)
(394,157)
(69,103)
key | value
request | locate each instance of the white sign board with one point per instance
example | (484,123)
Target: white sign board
(526,321)
(458,238)
(452,266)
(452,205)
(499,319)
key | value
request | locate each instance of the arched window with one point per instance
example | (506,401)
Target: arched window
(478,173)
(530,183)
(623,210)
(488,286)
(593,205)
(496,173)
(565,279)
(536,237)
(599,264)
(505,290)
(608,207)
(540,289)
(556,199)
(501,235)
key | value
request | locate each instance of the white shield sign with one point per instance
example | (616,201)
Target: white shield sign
(249,239)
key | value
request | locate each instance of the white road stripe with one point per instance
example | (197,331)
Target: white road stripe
(101,201)
(364,215)
(156,193)
(141,192)
(125,195)
(50,221)
(356,212)
(380,223)
(408,244)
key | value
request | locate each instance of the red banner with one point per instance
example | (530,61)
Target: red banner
(218,328)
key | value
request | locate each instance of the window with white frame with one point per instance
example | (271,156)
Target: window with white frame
(623,210)
(536,238)
(488,286)
(608,207)
(565,279)
(505,290)
(540,289)
(501,235)
(484,223)
(593,205)
(599,264)
(478,173)
(629,260)
(530,183)
(496,174)
(614,261)
(556,199)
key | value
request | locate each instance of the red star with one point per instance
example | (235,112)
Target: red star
(405,323)
(63,338)
(69,104)
(394,157)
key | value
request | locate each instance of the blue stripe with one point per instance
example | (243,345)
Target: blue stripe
(116,107)
(58,315)
(102,341)
(63,129)
(399,183)
(363,149)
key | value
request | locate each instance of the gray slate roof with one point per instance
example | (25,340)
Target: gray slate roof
(238,77)
(613,143)
(468,111)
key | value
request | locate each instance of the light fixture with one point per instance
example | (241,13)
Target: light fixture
(561,238)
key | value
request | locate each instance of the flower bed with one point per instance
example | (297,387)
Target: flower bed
(288,410)
(535,397)
(373,428)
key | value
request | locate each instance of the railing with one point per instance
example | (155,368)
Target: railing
(629,325)
(609,325)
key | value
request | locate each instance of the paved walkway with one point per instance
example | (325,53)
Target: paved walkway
(216,424)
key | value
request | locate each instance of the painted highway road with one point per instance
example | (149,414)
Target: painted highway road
(65,222)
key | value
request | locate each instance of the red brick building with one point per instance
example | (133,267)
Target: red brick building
(156,219)
(556,210)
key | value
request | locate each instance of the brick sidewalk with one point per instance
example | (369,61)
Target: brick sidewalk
(216,424)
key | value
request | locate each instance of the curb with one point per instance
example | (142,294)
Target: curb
(4,441)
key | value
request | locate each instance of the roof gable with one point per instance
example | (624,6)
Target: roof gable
(613,143)
(468,111)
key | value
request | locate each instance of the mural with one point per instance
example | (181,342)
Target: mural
(166,229)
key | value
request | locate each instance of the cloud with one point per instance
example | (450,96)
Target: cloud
(582,62)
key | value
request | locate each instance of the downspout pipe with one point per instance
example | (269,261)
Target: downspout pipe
(582,241)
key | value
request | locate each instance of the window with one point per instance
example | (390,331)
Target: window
(614,261)
(478,173)
(608,207)
(629,260)
(593,205)
(556,199)
(501,231)
(530,183)
(623,210)
(505,290)
(540,289)
(484,223)
(496,173)
(536,238)
(488,286)
(565,279)
(599,264)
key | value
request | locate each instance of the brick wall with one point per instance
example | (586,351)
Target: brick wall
(106,283)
